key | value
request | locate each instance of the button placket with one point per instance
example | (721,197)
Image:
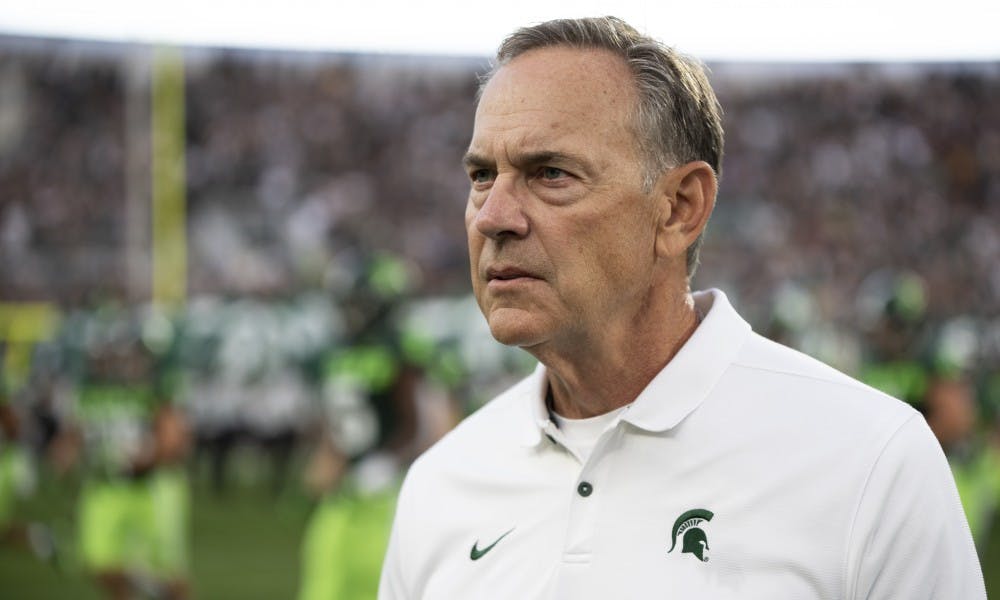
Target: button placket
(585,504)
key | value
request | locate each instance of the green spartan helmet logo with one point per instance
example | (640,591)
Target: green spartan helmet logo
(694,539)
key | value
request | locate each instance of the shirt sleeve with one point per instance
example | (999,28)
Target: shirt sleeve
(910,539)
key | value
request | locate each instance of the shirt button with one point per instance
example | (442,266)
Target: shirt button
(584,489)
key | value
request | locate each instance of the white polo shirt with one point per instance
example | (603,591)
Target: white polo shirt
(743,470)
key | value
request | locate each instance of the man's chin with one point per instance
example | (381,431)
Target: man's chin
(513,329)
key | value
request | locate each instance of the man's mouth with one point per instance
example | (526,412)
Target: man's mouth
(507,274)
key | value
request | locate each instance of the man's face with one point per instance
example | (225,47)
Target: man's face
(561,232)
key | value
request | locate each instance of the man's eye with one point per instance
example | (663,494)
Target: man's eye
(551,173)
(481,176)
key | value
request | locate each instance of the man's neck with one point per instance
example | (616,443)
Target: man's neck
(610,375)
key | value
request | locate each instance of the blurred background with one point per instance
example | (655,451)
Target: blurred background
(234,300)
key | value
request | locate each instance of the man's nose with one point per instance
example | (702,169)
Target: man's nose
(502,213)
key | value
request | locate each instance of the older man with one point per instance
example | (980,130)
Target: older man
(661,448)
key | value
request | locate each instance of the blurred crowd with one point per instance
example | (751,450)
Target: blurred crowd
(328,310)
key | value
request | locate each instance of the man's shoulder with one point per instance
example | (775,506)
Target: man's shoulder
(765,355)
(816,387)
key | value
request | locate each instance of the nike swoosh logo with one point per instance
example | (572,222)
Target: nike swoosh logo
(476,553)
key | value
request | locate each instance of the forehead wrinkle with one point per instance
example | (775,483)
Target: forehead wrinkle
(539,136)
(505,134)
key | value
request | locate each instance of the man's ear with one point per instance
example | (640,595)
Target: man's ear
(687,194)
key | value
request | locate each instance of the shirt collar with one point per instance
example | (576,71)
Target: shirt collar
(679,388)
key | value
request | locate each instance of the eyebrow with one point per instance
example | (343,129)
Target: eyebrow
(473,159)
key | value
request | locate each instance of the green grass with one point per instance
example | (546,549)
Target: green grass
(990,561)
(24,576)
(245,545)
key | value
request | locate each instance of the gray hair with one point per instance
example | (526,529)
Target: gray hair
(677,118)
